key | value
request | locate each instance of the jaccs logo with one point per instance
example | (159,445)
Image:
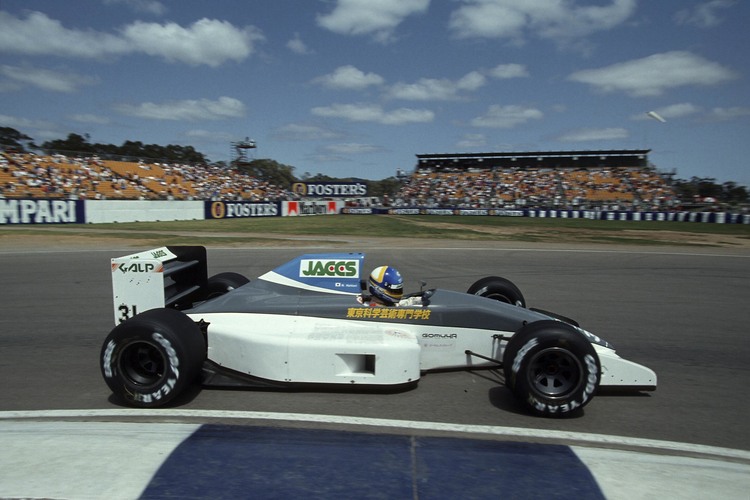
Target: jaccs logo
(329,269)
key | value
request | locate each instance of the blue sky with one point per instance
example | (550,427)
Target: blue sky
(359,87)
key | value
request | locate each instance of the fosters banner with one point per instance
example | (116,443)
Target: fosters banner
(240,209)
(330,189)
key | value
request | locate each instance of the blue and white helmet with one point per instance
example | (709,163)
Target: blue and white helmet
(386,284)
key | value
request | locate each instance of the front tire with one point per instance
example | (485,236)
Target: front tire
(551,368)
(500,289)
(150,359)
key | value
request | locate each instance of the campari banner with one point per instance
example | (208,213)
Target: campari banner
(22,211)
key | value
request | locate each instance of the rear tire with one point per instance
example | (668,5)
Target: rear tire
(500,289)
(222,283)
(150,359)
(551,368)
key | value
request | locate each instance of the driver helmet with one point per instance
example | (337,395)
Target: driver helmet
(386,284)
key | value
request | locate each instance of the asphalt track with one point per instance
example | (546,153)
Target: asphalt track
(681,311)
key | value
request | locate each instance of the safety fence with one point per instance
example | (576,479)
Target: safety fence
(56,211)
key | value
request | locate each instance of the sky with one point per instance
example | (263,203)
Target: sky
(358,88)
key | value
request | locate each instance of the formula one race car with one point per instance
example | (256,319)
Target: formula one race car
(303,325)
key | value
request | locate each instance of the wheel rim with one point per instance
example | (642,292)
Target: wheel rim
(143,364)
(499,297)
(555,372)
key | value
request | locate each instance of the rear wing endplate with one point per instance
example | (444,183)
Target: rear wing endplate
(163,277)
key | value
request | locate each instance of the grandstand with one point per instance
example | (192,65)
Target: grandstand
(78,177)
(623,178)
(577,179)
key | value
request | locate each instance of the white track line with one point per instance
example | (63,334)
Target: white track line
(581,439)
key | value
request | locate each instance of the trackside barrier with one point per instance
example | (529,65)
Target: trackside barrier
(620,215)
(31,211)
(57,211)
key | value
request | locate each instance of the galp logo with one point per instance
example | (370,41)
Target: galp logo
(329,269)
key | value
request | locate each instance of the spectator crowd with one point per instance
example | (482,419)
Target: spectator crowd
(516,187)
(58,176)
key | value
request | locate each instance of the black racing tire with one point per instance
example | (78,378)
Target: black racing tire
(221,283)
(500,289)
(150,359)
(551,368)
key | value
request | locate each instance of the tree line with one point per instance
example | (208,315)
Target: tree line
(696,188)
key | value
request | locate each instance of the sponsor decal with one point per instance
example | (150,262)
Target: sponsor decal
(404,211)
(358,211)
(107,359)
(240,209)
(40,211)
(435,341)
(439,336)
(312,268)
(330,189)
(388,313)
(310,208)
(472,211)
(507,213)
(522,353)
(137,267)
(439,211)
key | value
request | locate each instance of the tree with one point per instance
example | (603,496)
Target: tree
(74,143)
(389,187)
(13,140)
(270,171)
(734,194)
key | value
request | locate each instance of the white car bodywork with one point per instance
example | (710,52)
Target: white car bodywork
(303,347)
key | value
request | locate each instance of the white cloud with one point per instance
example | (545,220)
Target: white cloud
(655,74)
(733,113)
(206,41)
(297,46)
(672,111)
(189,110)
(20,123)
(594,134)
(349,148)
(378,18)
(210,136)
(498,116)
(552,19)
(506,71)
(46,79)
(471,141)
(428,89)
(22,36)
(304,132)
(704,15)
(147,6)
(364,112)
(90,118)
(349,78)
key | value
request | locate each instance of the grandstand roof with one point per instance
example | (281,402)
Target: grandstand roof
(543,159)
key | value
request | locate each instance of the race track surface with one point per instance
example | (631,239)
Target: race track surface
(679,311)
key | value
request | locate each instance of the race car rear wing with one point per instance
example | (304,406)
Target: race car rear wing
(163,277)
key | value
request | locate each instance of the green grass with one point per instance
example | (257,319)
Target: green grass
(448,227)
